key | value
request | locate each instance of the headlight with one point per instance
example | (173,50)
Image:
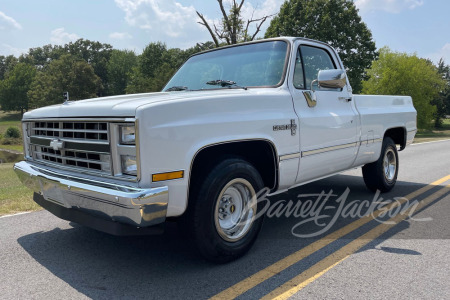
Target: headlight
(129,165)
(127,135)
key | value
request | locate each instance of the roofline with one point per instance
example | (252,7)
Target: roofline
(280,38)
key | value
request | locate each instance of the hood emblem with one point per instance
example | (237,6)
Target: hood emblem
(56,144)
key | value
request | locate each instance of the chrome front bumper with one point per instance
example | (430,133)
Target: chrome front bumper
(111,202)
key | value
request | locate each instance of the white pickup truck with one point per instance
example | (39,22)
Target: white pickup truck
(273,114)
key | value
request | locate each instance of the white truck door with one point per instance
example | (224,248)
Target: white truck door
(328,126)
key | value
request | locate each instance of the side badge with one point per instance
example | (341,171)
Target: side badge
(292,127)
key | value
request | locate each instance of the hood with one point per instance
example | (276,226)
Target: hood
(126,105)
(115,106)
(121,106)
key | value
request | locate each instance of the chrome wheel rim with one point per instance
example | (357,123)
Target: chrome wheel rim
(235,210)
(389,165)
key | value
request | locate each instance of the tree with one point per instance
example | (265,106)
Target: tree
(94,53)
(142,78)
(7,63)
(15,86)
(68,73)
(119,68)
(335,22)
(231,30)
(397,73)
(151,58)
(40,57)
(157,64)
(442,102)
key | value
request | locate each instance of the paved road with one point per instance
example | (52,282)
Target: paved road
(44,257)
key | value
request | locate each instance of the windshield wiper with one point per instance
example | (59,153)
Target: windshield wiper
(224,83)
(176,88)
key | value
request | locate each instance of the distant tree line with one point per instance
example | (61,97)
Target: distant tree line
(92,69)
(85,69)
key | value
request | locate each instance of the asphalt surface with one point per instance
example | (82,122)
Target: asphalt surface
(43,257)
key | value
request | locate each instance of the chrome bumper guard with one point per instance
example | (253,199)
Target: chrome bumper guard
(114,203)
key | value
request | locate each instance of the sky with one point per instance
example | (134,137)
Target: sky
(412,26)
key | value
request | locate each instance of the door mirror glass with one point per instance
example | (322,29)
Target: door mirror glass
(332,79)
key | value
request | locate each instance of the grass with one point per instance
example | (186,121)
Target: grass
(8,119)
(12,148)
(435,134)
(14,196)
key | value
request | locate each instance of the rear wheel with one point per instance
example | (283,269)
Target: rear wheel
(382,174)
(222,213)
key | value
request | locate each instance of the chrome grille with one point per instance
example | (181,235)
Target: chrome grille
(97,131)
(71,144)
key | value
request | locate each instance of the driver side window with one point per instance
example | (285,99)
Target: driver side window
(311,60)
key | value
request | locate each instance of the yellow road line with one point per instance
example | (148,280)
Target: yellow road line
(257,278)
(299,282)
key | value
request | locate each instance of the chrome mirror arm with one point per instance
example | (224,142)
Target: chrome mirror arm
(312,84)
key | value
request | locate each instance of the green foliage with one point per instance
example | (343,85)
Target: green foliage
(95,54)
(157,64)
(40,57)
(68,73)
(86,69)
(119,69)
(12,132)
(335,22)
(7,63)
(151,58)
(395,73)
(144,77)
(442,102)
(14,88)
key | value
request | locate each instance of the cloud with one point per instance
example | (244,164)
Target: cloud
(177,24)
(59,36)
(390,6)
(167,16)
(6,22)
(7,49)
(444,53)
(120,35)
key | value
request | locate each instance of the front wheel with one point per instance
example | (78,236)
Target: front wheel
(382,174)
(223,214)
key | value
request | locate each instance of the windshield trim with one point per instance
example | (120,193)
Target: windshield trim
(283,76)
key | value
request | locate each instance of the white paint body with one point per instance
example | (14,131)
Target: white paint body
(174,126)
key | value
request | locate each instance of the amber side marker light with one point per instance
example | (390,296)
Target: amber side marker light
(167,176)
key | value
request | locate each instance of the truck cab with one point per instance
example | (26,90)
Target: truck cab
(232,122)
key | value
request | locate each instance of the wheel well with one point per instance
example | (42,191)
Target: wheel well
(398,135)
(261,154)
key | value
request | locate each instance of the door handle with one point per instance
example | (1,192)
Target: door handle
(347,99)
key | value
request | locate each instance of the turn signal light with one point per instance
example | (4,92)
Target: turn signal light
(167,176)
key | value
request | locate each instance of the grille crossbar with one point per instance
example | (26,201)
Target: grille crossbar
(76,130)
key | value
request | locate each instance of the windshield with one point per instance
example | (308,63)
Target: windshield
(252,65)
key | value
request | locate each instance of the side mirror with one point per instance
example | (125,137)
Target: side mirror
(333,79)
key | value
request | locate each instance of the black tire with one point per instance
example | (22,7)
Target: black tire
(382,174)
(202,217)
